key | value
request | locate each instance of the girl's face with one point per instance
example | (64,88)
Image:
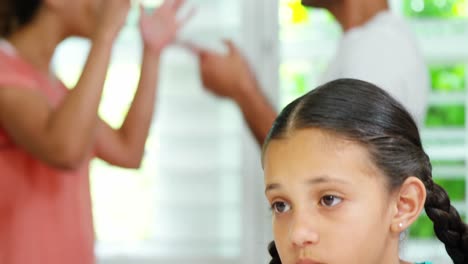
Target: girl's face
(329,201)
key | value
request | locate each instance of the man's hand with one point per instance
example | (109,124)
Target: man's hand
(226,75)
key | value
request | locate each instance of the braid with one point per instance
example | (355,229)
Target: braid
(448,225)
(275,259)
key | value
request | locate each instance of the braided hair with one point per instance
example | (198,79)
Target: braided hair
(364,113)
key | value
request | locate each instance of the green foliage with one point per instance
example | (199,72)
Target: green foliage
(448,78)
(435,8)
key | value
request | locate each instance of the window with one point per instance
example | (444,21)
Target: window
(189,200)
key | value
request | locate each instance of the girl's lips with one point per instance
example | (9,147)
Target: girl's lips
(307,261)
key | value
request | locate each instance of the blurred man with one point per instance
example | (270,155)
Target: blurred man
(376,46)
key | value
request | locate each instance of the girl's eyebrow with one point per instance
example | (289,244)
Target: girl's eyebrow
(315,180)
(325,179)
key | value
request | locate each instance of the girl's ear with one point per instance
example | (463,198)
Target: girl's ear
(410,201)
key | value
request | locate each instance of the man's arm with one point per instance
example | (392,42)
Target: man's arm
(230,76)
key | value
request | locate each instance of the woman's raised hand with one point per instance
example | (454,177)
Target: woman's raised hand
(160,27)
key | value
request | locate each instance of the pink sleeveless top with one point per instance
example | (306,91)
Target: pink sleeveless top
(45,213)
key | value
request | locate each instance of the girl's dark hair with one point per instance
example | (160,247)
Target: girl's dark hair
(16,13)
(366,114)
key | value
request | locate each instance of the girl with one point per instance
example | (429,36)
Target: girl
(346,174)
(49,134)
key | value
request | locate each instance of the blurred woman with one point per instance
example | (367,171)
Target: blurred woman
(48,134)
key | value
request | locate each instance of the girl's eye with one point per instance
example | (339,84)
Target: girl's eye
(330,200)
(280,207)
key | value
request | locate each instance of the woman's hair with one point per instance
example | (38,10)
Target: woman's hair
(16,13)
(363,113)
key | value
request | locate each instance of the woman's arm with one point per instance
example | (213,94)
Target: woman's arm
(125,147)
(64,136)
